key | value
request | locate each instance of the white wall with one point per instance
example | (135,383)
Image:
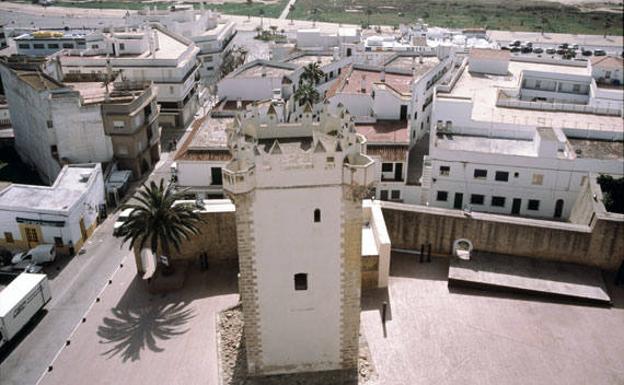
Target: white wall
(298,326)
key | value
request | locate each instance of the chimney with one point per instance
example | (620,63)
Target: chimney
(382,75)
(420,58)
(239,104)
(363,84)
(263,71)
(336,54)
(413,63)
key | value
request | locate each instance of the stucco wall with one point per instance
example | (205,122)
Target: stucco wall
(601,244)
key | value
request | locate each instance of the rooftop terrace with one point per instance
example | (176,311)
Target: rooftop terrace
(483,89)
(207,141)
(400,82)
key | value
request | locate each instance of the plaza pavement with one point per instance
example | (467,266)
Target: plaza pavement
(432,336)
(133,337)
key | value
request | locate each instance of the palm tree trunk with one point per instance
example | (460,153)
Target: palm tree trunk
(167,270)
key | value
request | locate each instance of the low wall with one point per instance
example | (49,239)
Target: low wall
(598,244)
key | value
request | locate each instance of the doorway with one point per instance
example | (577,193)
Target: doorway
(459,201)
(403,112)
(515,206)
(558,208)
(83,230)
(32,236)
(398,171)
(216,175)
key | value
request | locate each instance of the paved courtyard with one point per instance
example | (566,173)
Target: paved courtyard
(433,336)
(133,337)
(470,337)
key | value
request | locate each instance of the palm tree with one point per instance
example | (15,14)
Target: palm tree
(156,222)
(291,10)
(312,73)
(249,2)
(306,93)
(369,12)
(314,13)
(261,13)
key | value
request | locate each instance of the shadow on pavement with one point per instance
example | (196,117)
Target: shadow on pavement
(132,330)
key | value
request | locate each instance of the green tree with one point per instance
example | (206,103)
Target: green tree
(306,93)
(314,12)
(369,12)
(157,223)
(261,13)
(312,73)
(249,3)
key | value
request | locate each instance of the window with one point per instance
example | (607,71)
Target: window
(480,174)
(387,167)
(395,195)
(416,115)
(119,124)
(538,179)
(383,195)
(498,201)
(122,46)
(301,281)
(208,59)
(8,237)
(538,84)
(50,124)
(445,170)
(94,46)
(607,74)
(53,46)
(442,196)
(68,45)
(317,215)
(501,176)
(54,150)
(24,46)
(477,199)
(58,241)
(171,89)
(576,88)
(516,174)
(533,204)
(330,159)
(38,46)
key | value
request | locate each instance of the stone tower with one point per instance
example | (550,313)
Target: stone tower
(297,188)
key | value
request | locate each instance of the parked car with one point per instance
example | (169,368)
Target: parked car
(538,50)
(564,46)
(526,49)
(599,52)
(516,43)
(561,51)
(551,51)
(505,48)
(123,217)
(515,49)
(528,44)
(39,255)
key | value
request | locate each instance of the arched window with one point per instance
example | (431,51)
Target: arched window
(301,281)
(317,215)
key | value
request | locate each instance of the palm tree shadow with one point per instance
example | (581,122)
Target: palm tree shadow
(133,330)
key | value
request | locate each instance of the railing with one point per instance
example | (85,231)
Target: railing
(504,100)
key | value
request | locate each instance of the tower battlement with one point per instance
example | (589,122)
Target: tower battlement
(319,149)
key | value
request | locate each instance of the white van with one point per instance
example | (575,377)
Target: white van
(20,301)
(38,255)
(123,216)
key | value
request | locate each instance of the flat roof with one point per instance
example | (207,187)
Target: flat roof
(63,194)
(39,81)
(15,291)
(256,70)
(483,89)
(485,144)
(385,131)
(400,82)
(597,149)
(304,60)
(406,63)
(207,141)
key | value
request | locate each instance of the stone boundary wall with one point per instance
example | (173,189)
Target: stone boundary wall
(599,243)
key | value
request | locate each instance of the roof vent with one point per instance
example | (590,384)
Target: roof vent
(84,177)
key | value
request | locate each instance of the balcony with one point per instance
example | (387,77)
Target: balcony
(239,182)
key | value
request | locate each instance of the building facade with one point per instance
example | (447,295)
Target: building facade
(64,214)
(300,261)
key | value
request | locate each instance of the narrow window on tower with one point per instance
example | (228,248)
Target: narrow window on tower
(317,215)
(301,281)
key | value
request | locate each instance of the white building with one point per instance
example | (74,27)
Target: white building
(45,43)
(63,214)
(81,120)
(149,53)
(522,143)
(608,70)
(211,34)
(297,190)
